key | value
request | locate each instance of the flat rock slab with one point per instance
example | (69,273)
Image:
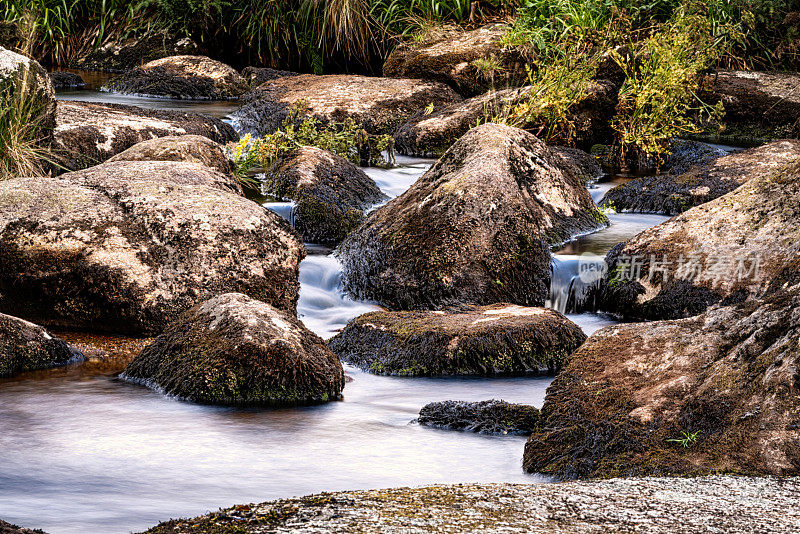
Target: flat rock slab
(736,505)
(493,417)
(25,346)
(490,340)
(188,148)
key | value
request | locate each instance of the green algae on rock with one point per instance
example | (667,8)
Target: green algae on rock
(25,346)
(234,350)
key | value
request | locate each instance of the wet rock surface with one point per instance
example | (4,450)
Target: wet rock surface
(675,193)
(27,82)
(485,341)
(122,254)
(710,394)
(121,56)
(234,350)
(726,250)
(182,77)
(66,80)
(25,346)
(186,148)
(330,193)
(379,105)
(475,229)
(662,505)
(88,133)
(495,417)
(471,61)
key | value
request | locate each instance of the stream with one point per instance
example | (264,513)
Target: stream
(84,452)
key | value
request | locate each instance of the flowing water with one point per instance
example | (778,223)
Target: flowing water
(83,452)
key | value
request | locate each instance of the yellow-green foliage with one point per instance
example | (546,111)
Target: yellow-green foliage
(22,151)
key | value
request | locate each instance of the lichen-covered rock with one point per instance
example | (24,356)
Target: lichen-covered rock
(87,133)
(709,394)
(675,193)
(485,417)
(108,252)
(122,56)
(579,162)
(726,250)
(25,346)
(66,80)
(471,61)
(330,193)
(379,105)
(234,350)
(26,84)
(475,229)
(189,148)
(182,77)
(488,340)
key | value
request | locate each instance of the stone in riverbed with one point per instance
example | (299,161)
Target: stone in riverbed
(485,417)
(234,350)
(123,55)
(189,148)
(25,346)
(66,80)
(330,193)
(475,229)
(182,77)
(88,133)
(257,75)
(726,250)
(379,105)
(486,341)
(672,194)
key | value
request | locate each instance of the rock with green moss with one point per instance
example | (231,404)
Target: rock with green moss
(717,393)
(475,229)
(330,193)
(485,341)
(25,85)
(234,350)
(189,148)
(494,417)
(25,346)
(726,250)
(675,193)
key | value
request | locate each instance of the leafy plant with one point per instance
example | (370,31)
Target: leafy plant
(687,440)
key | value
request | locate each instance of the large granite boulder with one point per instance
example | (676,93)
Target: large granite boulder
(182,77)
(234,350)
(108,251)
(126,54)
(494,417)
(475,229)
(470,61)
(379,105)
(25,346)
(675,193)
(726,250)
(24,84)
(330,193)
(189,148)
(717,393)
(486,341)
(89,133)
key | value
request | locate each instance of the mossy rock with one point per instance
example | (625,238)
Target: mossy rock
(494,417)
(25,346)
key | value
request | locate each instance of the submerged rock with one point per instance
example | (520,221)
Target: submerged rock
(182,77)
(726,250)
(475,229)
(489,340)
(710,394)
(471,61)
(379,105)
(234,350)
(123,55)
(189,148)
(27,84)
(25,346)
(88,133)
(485,417)
(672,194)
(330,193)
(113,252)
(66,80)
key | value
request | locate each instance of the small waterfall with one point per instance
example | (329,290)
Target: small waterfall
(284,209)
(574,280)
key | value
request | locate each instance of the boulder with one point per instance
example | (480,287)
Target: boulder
(330,193)
(470,61)
(88,133)
(579,162)
(182,77)
(8,528)
(485,417)
(684,154)
(24,83)
(25,346)
(257,75)
(234,350)
(485,341)
(726,250)
(111,252)
(672,194)
(66,80)
(475,229)
(717,393)
(189,148)
(123,55)
(379,105)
